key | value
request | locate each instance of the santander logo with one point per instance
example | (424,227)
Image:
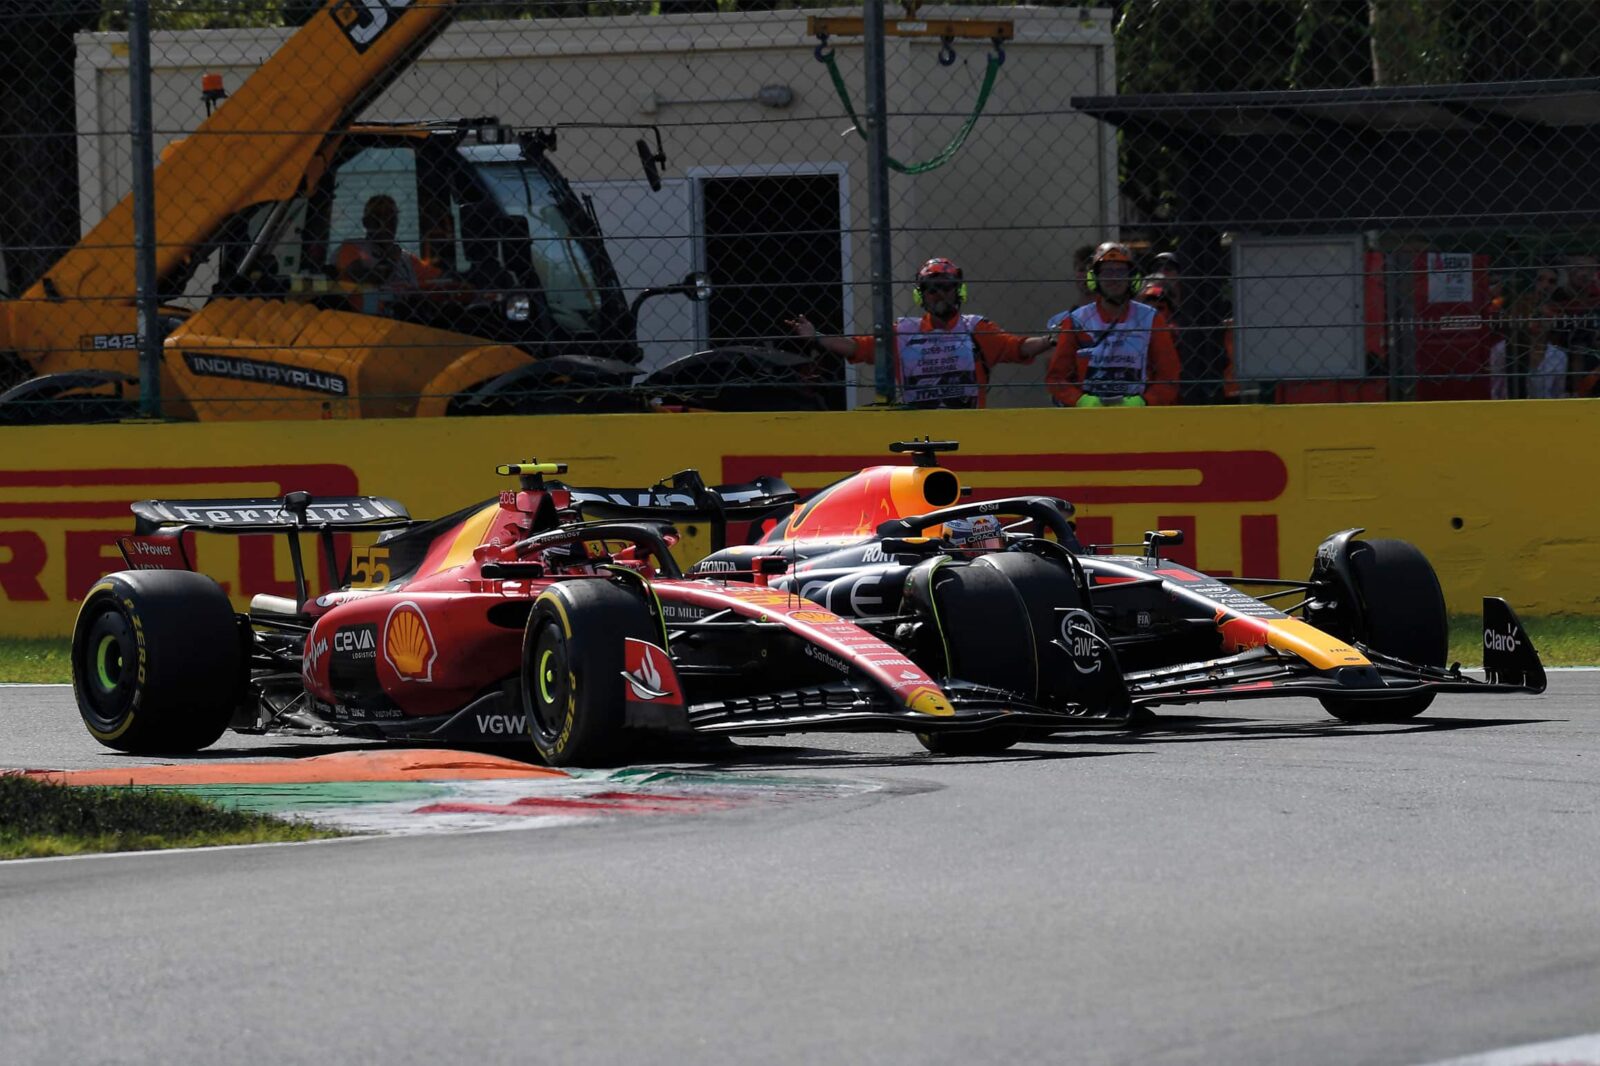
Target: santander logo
(646,682)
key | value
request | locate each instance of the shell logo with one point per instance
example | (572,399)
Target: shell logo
(814,617)
(408,644)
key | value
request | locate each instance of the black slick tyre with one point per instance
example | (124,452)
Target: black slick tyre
(572,666)
(1403,615)
(989,640)
(157,662)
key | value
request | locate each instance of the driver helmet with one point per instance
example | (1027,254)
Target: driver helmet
(978,533)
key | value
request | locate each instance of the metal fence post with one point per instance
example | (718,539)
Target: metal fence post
(144,209)
(877,120)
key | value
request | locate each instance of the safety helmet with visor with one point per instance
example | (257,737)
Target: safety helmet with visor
(1112,262)
(938,281)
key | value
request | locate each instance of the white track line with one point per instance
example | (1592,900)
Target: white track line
(1573,1051)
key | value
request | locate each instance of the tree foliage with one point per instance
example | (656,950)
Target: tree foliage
(1185,46)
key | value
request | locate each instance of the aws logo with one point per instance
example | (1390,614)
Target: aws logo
(364,21)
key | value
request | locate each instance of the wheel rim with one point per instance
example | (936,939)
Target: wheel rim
(103,668)
(547,675)
(108,663)
(549,685)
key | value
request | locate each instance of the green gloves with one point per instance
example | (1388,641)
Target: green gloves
(1091,400)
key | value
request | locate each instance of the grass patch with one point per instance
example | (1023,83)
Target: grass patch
(44,660)
(38,819)
(1562,640)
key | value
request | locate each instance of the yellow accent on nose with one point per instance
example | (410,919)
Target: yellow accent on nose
(927,700)
(1312,644)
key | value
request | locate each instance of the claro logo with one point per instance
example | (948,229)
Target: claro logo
(59,528)
(1251,481)
(1496,641)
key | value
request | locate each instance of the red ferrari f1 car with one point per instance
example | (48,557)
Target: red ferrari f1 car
(884,602)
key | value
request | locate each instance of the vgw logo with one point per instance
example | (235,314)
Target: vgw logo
(502,725)
(363,21)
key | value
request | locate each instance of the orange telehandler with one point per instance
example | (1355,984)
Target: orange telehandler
(530,315)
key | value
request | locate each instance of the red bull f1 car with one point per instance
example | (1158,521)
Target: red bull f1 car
(884,602)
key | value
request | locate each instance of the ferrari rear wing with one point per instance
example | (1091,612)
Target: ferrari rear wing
(686,497)
(298,511)
(159,526)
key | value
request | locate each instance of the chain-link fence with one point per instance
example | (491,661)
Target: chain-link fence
(379,208)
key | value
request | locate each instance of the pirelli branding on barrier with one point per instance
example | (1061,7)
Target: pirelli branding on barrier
(59,528)
(1254,488)
(1172,482)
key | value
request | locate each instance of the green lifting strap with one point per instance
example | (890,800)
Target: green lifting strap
(995,60)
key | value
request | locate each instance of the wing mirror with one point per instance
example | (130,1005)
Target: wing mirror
(652,162)
(696,286)
(1156,539)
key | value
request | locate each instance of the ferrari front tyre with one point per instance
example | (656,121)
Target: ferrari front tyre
(1403,615)
(157,662)
(572,667)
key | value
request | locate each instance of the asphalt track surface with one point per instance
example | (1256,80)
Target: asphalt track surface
(1255,884)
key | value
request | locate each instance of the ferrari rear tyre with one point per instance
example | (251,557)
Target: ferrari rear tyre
(158,665)
(1403,615)
(572,667)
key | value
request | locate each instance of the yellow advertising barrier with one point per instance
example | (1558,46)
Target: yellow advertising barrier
(1501,496)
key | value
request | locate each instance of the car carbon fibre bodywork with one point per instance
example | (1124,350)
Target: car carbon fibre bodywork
(518,617)
(1172,633)
(883,602)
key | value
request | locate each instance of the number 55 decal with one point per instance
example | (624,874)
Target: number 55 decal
(369,568)
(363,21)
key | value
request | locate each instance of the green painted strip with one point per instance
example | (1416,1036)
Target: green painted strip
(280,798)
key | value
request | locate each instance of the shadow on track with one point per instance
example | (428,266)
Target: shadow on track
(1196,729)
(716,753)
(801,758)
(271,748)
